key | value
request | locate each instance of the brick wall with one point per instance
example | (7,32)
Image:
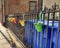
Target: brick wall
(17,6)
(21,6)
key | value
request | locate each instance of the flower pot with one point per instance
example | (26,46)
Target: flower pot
(38,27)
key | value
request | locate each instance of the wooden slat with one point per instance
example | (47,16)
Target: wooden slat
(15,39)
